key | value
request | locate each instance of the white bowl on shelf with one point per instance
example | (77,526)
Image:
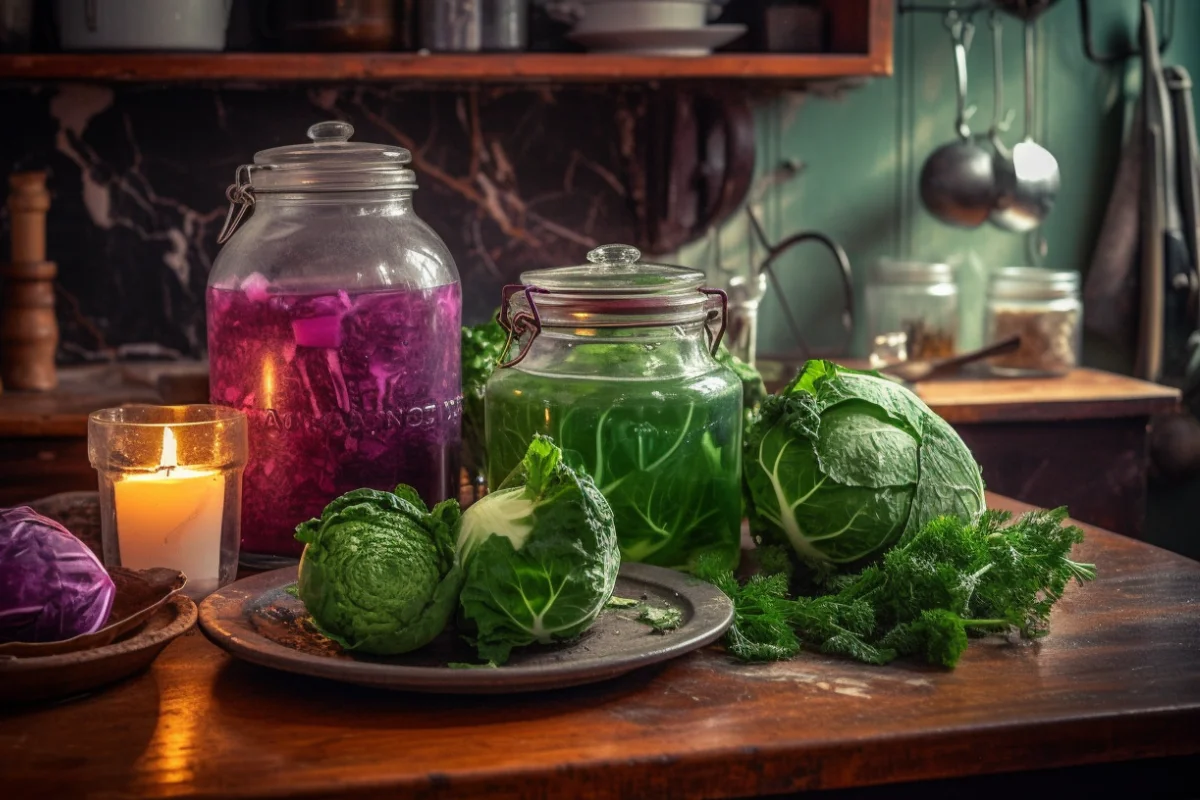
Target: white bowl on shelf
(638,15)
(165,25)
(659,42)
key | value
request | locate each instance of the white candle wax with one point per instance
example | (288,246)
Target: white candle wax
(172,518)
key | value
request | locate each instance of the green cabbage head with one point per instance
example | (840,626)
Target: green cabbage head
(540,556)
(378,572)
(841,464)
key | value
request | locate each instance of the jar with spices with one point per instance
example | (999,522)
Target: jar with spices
(917,299)
(1041,306)
(614,360)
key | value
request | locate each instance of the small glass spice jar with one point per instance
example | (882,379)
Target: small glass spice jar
(171,489)
(917,299)
(1041,306)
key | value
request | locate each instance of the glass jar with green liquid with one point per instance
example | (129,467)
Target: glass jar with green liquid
(614,360)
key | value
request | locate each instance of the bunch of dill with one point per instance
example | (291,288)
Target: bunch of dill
(945,582)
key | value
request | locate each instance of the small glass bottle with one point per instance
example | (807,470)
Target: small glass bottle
(1043,307)
(917,299)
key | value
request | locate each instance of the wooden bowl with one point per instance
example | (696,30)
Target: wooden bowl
(25,680)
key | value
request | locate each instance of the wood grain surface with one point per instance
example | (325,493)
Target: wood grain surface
(860,30)
(439,68)
(1098,468)
(1083,394)
(1117,679)
(64,411)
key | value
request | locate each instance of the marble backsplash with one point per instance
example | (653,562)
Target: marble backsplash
(511,179)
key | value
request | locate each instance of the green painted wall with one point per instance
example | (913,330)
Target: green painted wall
(863,149)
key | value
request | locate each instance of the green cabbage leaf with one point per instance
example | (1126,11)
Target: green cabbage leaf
(841,464)
(378,572)
(539,554)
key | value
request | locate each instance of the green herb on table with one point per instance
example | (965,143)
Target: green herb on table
(621,602)
(292,589)
(660,619)
(939,585)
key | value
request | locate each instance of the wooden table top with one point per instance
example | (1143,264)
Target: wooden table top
(81,390)
(1082,394)
(1118,678)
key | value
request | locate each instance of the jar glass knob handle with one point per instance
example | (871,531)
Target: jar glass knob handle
(614,255)
(330,132)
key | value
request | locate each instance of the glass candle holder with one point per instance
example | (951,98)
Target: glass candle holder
(171,489)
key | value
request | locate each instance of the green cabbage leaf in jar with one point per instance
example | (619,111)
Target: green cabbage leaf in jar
(666,454)
(842,464)
(482,347)
(378,572)
(539,555)
(754,390)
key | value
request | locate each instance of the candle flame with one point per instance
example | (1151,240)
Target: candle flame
(170,450)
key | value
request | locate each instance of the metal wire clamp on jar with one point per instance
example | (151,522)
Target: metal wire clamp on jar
(614,360)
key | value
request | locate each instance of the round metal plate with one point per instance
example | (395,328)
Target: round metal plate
(256,619)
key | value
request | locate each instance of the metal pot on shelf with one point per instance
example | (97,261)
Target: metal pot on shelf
(190,25)
(474,25)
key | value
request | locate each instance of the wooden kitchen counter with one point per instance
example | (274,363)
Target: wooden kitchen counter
(1117,679)
(1081,440)
(43,435)
(1082,394)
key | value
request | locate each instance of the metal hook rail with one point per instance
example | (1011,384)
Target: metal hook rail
(1166,14)
(1034,8)
(1024,9)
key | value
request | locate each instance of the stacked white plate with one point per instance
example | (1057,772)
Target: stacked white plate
(651,27)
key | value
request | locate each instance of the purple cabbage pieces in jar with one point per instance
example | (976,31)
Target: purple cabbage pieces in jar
(343,391)
(334,316)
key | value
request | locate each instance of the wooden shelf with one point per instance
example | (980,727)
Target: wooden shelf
(859,33)
(500,68)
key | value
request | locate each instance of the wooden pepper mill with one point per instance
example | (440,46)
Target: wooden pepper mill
(28,327)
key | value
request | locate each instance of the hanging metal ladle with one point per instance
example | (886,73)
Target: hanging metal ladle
(1027,182)
(958,183)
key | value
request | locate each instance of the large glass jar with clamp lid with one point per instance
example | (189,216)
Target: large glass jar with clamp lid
(333,322)
(614,360)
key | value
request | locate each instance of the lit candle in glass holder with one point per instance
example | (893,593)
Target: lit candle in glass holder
(170,489)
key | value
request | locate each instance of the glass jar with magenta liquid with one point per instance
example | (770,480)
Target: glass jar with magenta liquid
(333,322)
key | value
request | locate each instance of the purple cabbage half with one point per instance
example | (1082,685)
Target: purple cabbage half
(52,587)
